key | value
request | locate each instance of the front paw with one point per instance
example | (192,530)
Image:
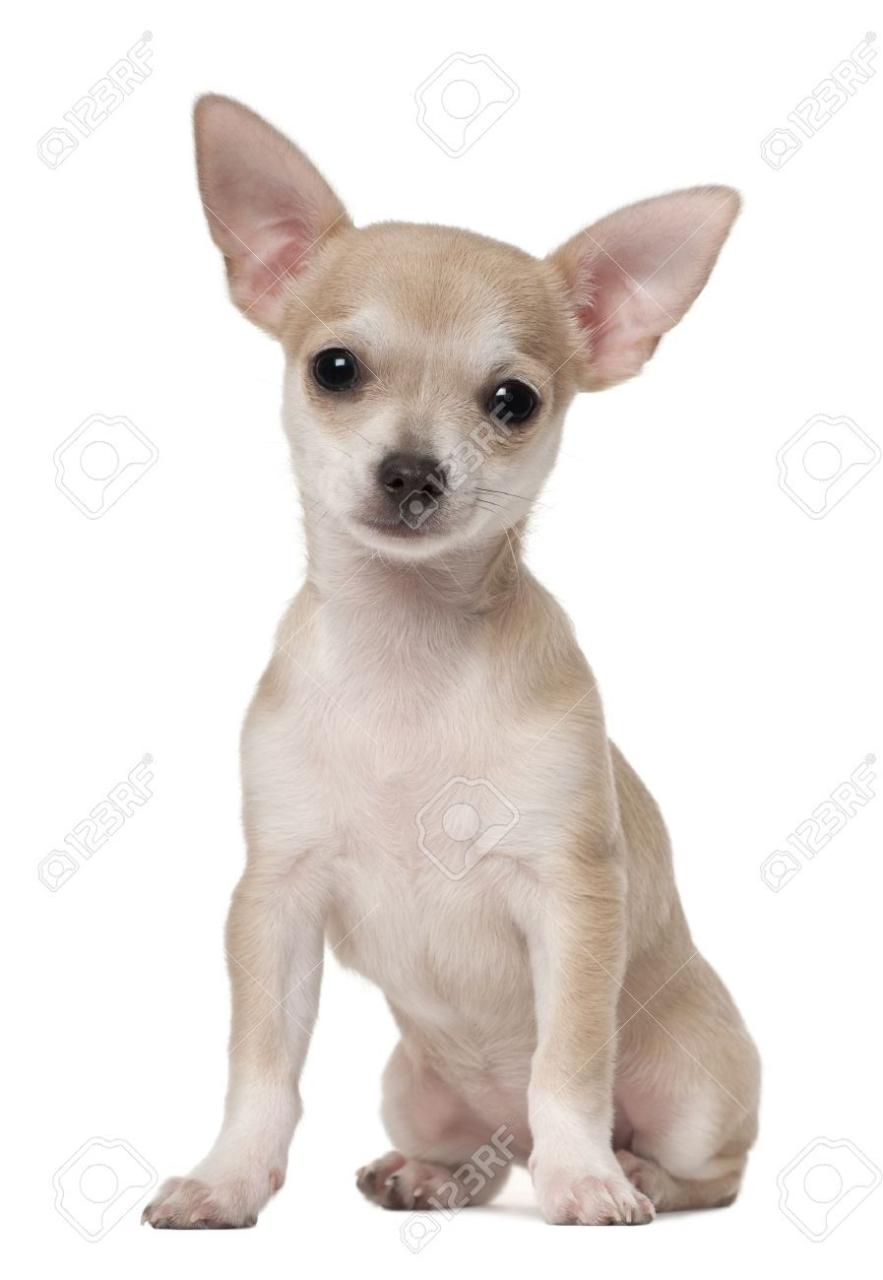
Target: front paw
(591,1200)
(208,1202)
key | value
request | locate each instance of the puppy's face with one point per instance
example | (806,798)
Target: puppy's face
(427,376)
(427,369)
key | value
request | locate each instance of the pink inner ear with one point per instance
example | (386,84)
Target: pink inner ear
(635,273)
(625,317)
(262,272)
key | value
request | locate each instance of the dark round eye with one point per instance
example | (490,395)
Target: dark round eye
(336,369)
(512,401)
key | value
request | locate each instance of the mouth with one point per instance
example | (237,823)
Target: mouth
(398,528)
(414,516)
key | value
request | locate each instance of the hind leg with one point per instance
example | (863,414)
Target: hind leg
(670,1193)
(446,1156)
(687,1091)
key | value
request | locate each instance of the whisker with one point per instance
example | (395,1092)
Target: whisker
(504,493)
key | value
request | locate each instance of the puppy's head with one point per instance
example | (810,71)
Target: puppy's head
(428,369)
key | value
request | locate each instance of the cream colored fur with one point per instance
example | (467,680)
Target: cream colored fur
(553,988)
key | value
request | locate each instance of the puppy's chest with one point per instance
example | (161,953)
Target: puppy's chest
(433,874)
(437,784)
(437,792)
(447,953)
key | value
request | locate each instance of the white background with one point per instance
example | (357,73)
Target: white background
(737,641)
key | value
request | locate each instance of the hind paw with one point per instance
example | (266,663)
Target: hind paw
(643,1174)
(395,1182)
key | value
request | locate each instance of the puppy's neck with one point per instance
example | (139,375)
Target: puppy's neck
(456,583)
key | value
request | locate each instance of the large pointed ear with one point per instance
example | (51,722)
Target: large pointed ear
(633,275)
(268,207)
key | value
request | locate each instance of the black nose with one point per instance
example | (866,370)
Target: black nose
(401,474)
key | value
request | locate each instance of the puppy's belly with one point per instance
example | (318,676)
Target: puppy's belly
(449,960)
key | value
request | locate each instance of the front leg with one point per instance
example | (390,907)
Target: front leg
(275,937)
(576,938)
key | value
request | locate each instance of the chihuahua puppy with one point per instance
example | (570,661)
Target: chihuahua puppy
(427,779)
